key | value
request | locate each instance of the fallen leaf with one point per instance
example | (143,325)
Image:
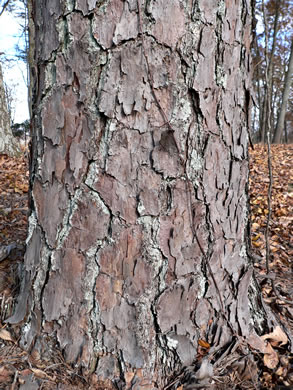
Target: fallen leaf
(5,335)
(257,343)
(17,190)
(204,344)
(277,335)
(280,371)
(5,375)
(40,374)
(128,378)
(257,244)
(271,359)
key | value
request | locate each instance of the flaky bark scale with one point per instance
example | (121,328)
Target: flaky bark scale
(137,245)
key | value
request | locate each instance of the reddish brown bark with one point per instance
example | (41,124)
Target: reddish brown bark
(137,245)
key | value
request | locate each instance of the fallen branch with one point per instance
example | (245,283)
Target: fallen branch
(267,230)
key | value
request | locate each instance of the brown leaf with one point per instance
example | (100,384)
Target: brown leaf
(271,359)
(277,335)
(257,343)
(257,244)
(128,377)
(17,190)
(204,344)
(40,373)
(281,371)
(5,335)
(255,226)
(5,374)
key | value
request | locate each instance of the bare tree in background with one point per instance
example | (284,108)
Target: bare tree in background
(269,61)
(270,57)
(281,117)
(8,144)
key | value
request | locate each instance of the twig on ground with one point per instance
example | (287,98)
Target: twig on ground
(269,200)
(14,384)
(267,230)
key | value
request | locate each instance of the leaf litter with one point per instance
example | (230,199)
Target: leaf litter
(263,363)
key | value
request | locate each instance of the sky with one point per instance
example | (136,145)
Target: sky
(15,75)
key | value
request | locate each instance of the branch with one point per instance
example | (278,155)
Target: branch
(267,231)
(269,200)
(5,5)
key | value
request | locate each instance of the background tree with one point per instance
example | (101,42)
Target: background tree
(8,144)
(282,112)
(271,57)
(268,80)
(15,57)
(137,245)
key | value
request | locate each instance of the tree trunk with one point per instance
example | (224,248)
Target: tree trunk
(258,90)
(285,131)
(137,244)
(30,54)
(287,85)
(268,88)
(8,144)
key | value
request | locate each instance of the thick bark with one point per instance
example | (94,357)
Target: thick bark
(137,243)
(287,85)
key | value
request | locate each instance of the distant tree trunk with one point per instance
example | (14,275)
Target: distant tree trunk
(287,85)
(8,144)
(30,54)
(268,88)
(137,244)
(285,131)
(259,95)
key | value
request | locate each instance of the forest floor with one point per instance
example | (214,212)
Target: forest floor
(20,370)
